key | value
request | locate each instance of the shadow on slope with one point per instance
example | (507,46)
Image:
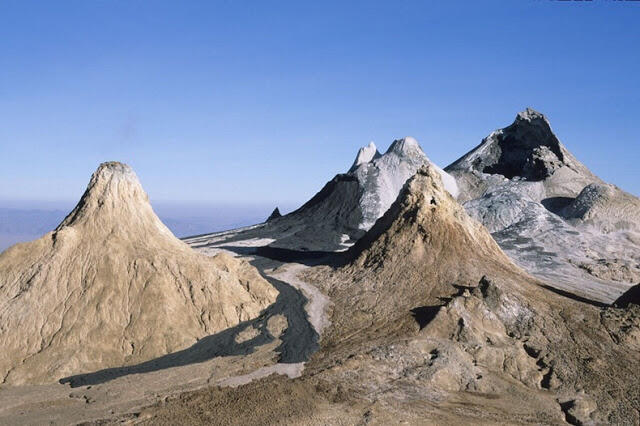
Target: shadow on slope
(556,204)
(299,341)
(308,258)
(575,297)
(631,296)
(423,315)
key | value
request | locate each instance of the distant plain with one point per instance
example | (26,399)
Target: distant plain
(22,221)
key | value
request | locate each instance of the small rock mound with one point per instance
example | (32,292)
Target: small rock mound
(605,205)
(620,270)
(111,286)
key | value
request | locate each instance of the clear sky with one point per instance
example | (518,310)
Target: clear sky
(237,101)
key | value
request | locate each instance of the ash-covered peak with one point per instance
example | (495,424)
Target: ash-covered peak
(365,155)
(527,148)
(405,146)
(530,114)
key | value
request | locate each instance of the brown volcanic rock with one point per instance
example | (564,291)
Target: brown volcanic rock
(112,286)
(422,245)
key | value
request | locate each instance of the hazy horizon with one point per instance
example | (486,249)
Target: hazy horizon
(226,110)
(22,221)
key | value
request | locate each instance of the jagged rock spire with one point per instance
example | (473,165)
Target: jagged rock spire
(365,155)
(274,215)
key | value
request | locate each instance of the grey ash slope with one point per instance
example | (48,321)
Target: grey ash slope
(546,209)
(346,207)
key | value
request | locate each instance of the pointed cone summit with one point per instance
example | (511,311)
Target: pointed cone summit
(425,212)
(530,114)
(111,286)
(112,186)
(114,201)
(404,146)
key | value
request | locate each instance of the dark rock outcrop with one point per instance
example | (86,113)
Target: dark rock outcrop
(275,214)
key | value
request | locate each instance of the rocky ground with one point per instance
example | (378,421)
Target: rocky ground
(431,344)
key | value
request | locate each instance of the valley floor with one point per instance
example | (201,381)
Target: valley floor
(378,382)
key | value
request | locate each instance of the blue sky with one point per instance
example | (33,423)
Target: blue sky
(238,101)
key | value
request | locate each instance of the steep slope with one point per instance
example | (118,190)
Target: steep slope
(346,207)
(413,255)
(631,297)
(112,286)
(548,212)
(526,150)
